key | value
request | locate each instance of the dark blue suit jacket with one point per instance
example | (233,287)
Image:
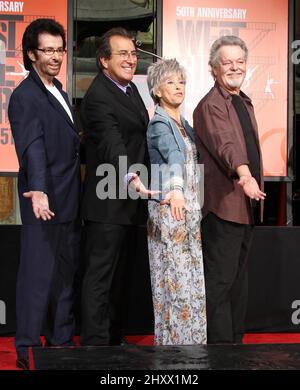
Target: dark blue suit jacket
(47,146)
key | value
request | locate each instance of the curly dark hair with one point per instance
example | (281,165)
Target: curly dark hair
(30,39)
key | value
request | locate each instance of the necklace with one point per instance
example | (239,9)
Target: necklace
(180,127)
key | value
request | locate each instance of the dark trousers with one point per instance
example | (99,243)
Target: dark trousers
(48,262)
(103,301)
(225,252)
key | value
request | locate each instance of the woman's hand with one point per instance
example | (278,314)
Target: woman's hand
(176,201)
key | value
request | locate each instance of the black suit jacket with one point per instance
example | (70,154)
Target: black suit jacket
(114,126)
(36,115)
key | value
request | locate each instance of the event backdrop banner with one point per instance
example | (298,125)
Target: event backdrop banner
(14,18)
(189,29)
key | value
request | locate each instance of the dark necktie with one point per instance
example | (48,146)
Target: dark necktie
(134,101)
(129,92)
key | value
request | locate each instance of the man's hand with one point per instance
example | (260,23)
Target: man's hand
(40,204)
(251,188)
(176,200)
(135,181)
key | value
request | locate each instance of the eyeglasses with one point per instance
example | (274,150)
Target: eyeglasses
(125,55)
(49,51)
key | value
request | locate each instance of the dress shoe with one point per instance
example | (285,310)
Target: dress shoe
(22,363)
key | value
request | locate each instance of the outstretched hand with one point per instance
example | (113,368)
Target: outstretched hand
(140,187)
(251,188)
(40,204)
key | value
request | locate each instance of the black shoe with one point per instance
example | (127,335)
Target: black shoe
(23,363)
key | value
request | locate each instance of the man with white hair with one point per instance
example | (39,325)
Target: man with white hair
(228,144)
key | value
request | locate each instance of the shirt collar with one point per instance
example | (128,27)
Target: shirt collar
(116,83)
(228,95)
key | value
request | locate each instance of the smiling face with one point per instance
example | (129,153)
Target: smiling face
(230,70)
(117,67)
(171,91)
(47,66)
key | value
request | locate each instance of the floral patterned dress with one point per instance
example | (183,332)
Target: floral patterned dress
(176,266)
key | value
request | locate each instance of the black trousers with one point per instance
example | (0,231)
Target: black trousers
(48,263)
(225,251)
(103,300)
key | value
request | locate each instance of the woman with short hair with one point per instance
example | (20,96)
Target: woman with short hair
(174,236)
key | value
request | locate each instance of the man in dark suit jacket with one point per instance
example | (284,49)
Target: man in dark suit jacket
(114,120)
(47,145)
(228,145)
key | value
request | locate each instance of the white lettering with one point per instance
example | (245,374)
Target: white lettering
(116,380)
(185,11)
(12,6)
(220,13)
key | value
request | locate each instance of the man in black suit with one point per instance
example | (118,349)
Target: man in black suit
(47,145)
(115,120)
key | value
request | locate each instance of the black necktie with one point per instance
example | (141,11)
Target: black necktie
(135,102)
(129,92)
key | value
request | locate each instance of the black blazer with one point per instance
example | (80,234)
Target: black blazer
(35,114)
(114,126)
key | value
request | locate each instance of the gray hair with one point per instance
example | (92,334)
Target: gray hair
(227,40)
(159,71)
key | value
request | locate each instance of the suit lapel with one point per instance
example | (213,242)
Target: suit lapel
(58,106)
(138,108)
(52,99)
(141,106)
